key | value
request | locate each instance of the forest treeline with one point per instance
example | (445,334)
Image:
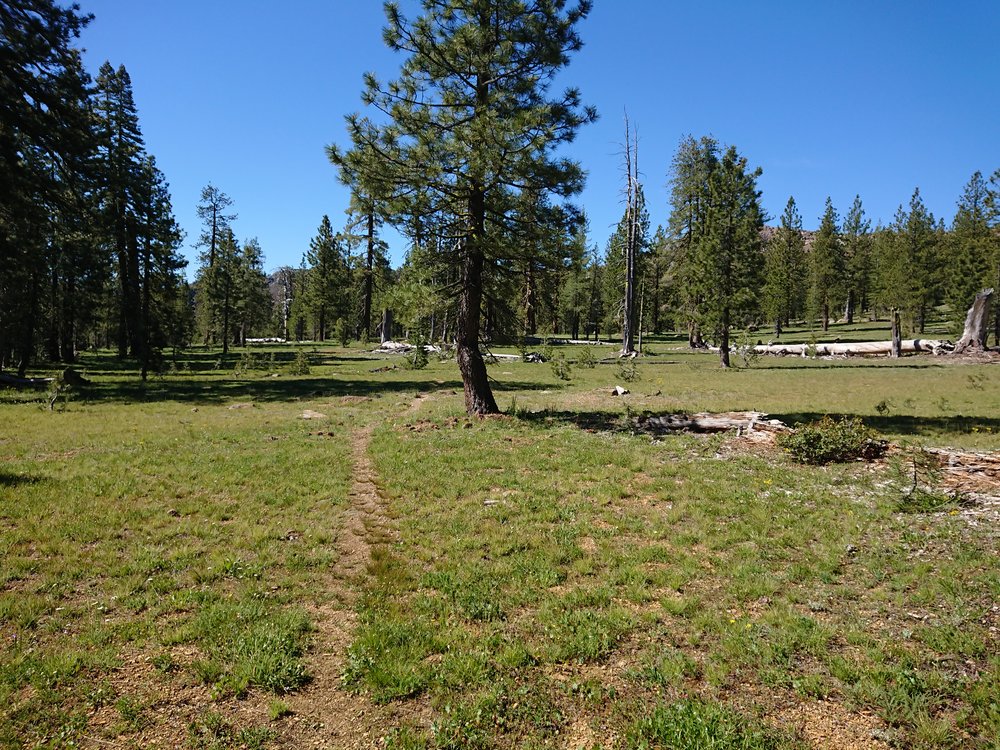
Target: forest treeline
(90,249)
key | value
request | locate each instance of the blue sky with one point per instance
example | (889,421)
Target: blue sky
(828,98)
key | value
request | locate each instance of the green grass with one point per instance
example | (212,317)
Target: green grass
(548,572)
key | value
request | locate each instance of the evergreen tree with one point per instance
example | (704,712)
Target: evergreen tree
(826,267)
(993,218)
(784,274)
(574,292)
(692,166)
(252,302)
(857,239)
(470,129)
(216,288)
(970,249)
(212,210)
(725,262)
(908,264)
(327,295)
(657,293)
(46,142)
(121,154)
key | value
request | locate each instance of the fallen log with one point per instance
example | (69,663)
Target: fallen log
(855,349)
(15,382)
(743,423)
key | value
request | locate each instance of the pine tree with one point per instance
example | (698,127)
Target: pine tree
(993,219)
(216,288)
(725,262)
(908,264)
(122,152)
(252,302)
(857,239)
(784,270)
(692,166)
(970,248)
(326,287)
(212,210)
(574,291)
(470,129)
(826,267)
(45,142)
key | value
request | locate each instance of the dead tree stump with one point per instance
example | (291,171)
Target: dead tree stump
(976,322)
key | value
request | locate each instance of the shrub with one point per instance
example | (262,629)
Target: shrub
(561,368)
(417,359)
(587,358)
(628,369)
(300,365)
(832,440)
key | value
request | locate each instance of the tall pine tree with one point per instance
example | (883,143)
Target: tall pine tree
(470,128)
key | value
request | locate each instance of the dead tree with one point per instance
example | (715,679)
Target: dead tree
(631,236)
(976,325)
(897,348)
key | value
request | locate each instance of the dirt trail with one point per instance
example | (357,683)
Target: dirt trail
(325,715)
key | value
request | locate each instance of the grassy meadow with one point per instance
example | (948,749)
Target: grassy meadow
(171,553)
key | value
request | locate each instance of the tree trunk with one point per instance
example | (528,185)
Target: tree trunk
(225,322)
(849,308)
(897,348)
(144,319)
(724,339)
(369,286)
(826,316)
(478,394)
(976,325)
(387,325)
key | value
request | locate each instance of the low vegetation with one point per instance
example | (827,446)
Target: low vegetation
(171,553)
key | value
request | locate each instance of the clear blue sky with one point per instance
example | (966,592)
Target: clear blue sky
(830,98)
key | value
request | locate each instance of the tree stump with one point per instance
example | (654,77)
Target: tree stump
(976,322)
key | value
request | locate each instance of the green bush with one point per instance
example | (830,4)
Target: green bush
(587,358)
(832,440)
(628,369)
(300,365)
(561,368)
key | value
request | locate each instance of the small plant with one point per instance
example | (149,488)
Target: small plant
(832,440)
(561,368)
(587,358)
(883,407)
(918,471)
(512,409)
(547,351)
(628,369)
(417,359)
(300,365)
(278,709)
(746,348)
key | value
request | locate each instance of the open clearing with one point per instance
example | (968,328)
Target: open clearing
(342,559)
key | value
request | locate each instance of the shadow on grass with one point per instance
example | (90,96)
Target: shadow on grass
(15,480)
(591,421)
(286,388)
(902,424)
